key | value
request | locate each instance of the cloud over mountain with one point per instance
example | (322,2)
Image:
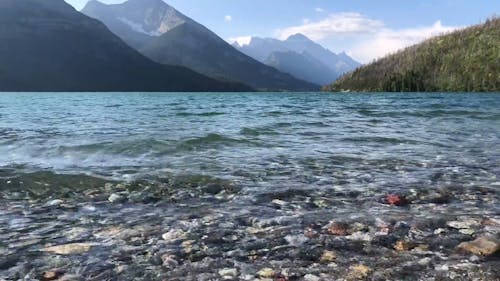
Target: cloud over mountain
(335,24)
(373,37)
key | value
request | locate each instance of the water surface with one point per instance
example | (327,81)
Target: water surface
(266,140)
(184,186)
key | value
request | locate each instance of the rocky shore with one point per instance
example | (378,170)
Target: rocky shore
(74,227)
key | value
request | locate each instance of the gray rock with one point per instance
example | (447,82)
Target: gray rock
(116,198)
(228,273)
(54,203)
(8,261)
(311,277)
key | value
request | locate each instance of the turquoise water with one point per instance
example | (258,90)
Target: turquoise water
(261,139)
(179,186)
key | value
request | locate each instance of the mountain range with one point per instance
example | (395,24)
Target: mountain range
(466,60)
(301,57)
(49,46)
(166,36)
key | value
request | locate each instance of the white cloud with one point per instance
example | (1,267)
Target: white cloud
(228,18)
(319,10)
(367,38)
(388,41)
(242,40)
(335,24)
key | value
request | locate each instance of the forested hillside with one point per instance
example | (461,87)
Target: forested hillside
(465,60)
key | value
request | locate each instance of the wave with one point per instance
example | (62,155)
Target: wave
(8,134)
(430,113)
(16,184)
(211,140)
(113,155)
(151,145)
(257,131)
(203,114)
(381,140)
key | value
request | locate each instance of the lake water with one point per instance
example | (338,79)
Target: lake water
(294,159)
(271,139)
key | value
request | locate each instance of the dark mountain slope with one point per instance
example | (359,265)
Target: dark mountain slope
(190,44)
(465,60)
(48,46)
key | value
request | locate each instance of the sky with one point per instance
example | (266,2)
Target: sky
(364,29)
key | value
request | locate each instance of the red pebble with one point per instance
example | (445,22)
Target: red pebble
(396,200)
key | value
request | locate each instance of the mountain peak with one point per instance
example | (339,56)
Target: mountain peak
(93,3)
(149,3)
(147,17)
(298,37)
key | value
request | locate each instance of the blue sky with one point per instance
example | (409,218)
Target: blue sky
(366,29)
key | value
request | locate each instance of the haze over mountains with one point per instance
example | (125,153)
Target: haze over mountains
(301,57)
(167,36)
(49,46)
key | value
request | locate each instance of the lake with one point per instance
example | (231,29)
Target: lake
(183,185)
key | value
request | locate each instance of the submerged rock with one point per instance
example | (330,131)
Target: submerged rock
(464,226)
(311,277)
(312,231)
(358,272)
(397,200)
(482,246)
(173,235)
(116,198)
(54,203)
(8,261)
(69,249)
(328,257)
(338,228)
(52,275)
(404,245)
(228,273)
(266,273)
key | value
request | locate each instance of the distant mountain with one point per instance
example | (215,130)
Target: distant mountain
(261,48)
(272,52)
(49,46)
(302,66)
(165,35)
(465,60)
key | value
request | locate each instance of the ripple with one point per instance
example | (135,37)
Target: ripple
(257,131)
(203,114)
(212,140)
(380,140)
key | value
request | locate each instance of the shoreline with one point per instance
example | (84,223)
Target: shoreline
(203,228)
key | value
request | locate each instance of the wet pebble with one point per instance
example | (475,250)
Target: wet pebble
(483,246)
(69,249)
(228,273)
(116,198)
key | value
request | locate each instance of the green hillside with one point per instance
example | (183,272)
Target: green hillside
(465,60)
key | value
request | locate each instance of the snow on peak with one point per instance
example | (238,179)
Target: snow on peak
(137,27)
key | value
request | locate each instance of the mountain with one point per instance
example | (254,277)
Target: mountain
(49,46)
(301,57)
(261,48)
(340,63)
(165,35)
(465,60)
(302,66)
